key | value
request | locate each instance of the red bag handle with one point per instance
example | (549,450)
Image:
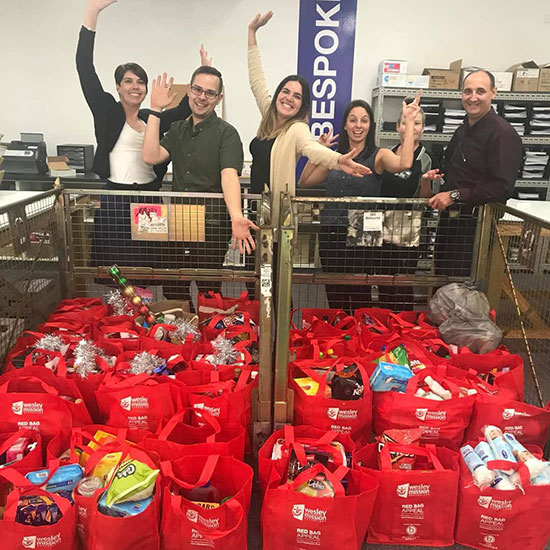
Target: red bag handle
(179,416)
(110,382)
(111,329)
(429,452)
(334,477)
(205,476)
(298,447)
(46,387)
(61,367)
(412,385)
(233,504)
(64,327)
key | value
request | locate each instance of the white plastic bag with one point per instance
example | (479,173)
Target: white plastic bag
(457,299)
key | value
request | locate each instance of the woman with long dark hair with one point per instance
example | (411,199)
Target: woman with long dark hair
(338,250)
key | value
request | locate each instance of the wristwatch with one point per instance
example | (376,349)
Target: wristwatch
(455,195)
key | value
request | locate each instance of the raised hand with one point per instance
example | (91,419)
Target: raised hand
(349,166)
(412,109)
(161,93)
(99,5)
(260,20)
(328,140)
(205,60)
(241,234)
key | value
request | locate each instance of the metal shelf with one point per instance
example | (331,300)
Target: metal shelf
(532,183)
(456,94)
(438,136)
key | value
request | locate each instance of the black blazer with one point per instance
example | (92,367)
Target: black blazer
(108,113)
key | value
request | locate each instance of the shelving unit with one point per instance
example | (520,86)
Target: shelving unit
(379,96)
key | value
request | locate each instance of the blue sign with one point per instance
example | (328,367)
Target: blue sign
(326,44)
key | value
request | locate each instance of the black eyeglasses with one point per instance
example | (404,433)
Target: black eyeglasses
(198,91)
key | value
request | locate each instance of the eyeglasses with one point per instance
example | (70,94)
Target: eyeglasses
(198,91)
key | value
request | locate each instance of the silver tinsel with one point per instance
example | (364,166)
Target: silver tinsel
(50,343)
(224,352)
(85,353)
(145,362)
(117,301)
(183,330)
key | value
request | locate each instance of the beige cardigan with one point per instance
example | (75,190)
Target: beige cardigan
(290,145)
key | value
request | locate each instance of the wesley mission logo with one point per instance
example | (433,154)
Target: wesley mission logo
(20,407)
(301,512)
(407,490)
(41,542)
(335,413)
(130,403)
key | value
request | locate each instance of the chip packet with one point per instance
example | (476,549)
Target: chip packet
(132,481)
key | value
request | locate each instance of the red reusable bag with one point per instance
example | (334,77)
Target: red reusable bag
(98,531)
(135,401)
(32,460)
(186,525)
(502,520)
(530,424)
(77,304)
(441,422)
(294,521)
(30,402)
(351,416)
(180,436)
(413,507)
(15,536)
(506,368)
(212,303)
(290,436)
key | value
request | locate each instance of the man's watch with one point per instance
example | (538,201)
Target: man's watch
(455,195)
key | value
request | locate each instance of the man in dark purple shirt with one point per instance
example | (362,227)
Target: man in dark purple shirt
(485,153)
(481,165)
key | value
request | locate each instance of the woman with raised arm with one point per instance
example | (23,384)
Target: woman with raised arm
(339,249)
(284,136)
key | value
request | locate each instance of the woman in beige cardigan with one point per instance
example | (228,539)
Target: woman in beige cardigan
(284,136)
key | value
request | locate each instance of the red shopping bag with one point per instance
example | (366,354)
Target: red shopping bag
(530,424)
(498,368)
(212,303)
(413,507)
(186,525)
(180,436)
(32,460)
(289,438)
(27,401)
(347,416)
(15,536)
(136,401)
(91,314)
(502,520)
(98,531)
(441,422)
(77,304)
(293,520)
(373,319)
(326,348)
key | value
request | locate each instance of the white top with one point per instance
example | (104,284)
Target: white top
(537,209)
(126,164)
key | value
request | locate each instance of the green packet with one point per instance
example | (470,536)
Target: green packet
(397,356)
(132,481)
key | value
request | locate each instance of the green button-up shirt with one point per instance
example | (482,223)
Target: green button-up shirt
(199,153)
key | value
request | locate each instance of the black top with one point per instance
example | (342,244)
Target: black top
(482,161)
(108,113)
(406,184)
(340,184)
(260,171)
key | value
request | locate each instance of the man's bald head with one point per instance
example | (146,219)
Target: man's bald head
(490,76)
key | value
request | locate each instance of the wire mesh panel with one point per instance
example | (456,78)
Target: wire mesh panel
(392,253)
(161,240)
(515,268)
(31,262)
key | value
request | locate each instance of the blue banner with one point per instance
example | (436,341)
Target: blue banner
(326,44)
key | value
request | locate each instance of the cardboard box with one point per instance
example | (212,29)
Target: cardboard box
(503,79)
(526,76)
(57,163)
(403,80)
(392,66)
(544,78)
(445,79)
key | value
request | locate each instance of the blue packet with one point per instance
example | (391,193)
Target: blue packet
(390,377)
(64,479)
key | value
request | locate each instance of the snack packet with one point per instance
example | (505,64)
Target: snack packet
(133,481)
(37,510)
(400,461)
(65,479)
(390,377)
(105,468)
(122,509)
(317,486)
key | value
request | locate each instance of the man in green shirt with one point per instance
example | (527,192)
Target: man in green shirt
(206,151)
